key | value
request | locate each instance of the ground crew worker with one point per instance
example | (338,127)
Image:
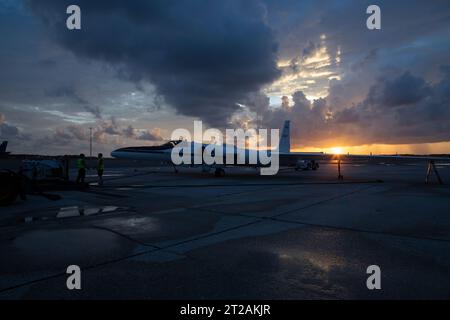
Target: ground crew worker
(100,168)
(81,166)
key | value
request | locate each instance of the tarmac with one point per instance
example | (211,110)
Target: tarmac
(150,233)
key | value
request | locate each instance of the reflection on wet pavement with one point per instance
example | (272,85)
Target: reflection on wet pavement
(294,236)
(76,211)
(66,212)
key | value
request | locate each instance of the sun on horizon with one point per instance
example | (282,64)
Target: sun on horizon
(336,150)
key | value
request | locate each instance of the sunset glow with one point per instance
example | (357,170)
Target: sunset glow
(343,91)
(421,148)
(336,150)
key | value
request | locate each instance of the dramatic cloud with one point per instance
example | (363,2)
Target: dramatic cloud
(310,71)
(69,93)
(104,132)
(151,135)
(405,109)
(403,90)
(202,56)
(141,64)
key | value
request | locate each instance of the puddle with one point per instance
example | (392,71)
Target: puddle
(75,211)
(33,219)
(69,212)
(130,187)
(49,249)
(105,175)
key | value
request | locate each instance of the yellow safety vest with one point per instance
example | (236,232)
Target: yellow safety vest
(81,164)
(101,164)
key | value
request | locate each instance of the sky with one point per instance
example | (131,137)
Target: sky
(139,69)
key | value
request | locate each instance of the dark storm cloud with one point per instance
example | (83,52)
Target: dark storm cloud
(202,56)
(297,23)
(403,90)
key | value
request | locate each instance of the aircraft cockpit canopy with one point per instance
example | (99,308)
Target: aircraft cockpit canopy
(171,143)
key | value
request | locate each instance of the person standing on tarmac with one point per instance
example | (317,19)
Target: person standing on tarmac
(100,168)
(81,166)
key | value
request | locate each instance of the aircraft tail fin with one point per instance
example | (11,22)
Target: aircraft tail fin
(285,140)
(3,146)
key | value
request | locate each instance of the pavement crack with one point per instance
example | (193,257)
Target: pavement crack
(323,201)
(124,236)
(359,230)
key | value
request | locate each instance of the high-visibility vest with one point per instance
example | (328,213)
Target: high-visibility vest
(101,164)
(81,164)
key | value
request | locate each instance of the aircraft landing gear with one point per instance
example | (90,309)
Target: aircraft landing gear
(219,172)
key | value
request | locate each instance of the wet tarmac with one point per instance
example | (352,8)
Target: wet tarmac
(151,233)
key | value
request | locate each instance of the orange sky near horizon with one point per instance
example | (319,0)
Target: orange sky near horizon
(422,148)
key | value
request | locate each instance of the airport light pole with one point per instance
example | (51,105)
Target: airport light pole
(90,142)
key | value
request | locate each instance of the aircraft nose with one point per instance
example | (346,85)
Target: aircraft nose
(115,153)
